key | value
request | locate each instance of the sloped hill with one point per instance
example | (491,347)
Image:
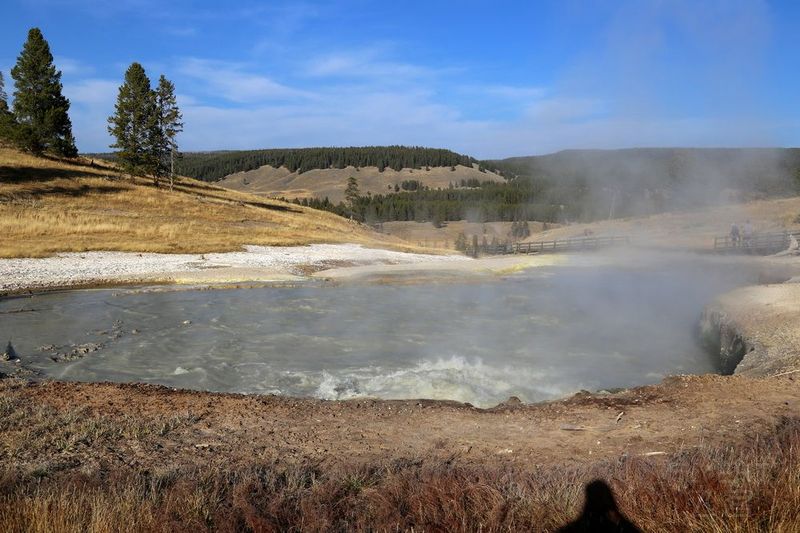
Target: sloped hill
(49,205)
(331,182)
(647,179)
(694,229)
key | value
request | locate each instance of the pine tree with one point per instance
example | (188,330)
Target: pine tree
(6,118)
(41,111)
(3,95)
(351,192)
(169,125)
(134,124)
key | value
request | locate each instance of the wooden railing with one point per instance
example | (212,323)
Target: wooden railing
(759,243)
(554,246)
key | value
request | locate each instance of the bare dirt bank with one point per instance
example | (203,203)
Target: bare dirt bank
(205,428)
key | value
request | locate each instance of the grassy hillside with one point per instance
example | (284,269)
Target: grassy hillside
(321,183)
(49,206)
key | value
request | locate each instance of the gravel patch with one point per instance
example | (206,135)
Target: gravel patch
(71,269)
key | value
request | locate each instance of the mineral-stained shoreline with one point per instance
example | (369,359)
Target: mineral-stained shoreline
(254,263)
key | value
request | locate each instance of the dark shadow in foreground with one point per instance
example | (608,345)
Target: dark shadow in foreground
(600,513)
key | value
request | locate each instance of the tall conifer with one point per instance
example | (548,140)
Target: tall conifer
(3,95)
(6,118)
(41,111)
(169,125)
(134,124)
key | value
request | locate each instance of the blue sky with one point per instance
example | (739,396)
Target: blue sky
(490,79)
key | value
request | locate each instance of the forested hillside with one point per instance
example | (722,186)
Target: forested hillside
(586,185)
(751,170)
(568,186)
(213,166)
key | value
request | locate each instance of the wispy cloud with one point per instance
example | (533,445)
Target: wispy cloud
(230,81)
(91,103)
(92,92)
(72,67)
(363,64)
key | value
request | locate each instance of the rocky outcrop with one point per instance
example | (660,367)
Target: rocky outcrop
(723,339)
(754,330)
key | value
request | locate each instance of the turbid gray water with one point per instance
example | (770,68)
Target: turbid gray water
(537,335)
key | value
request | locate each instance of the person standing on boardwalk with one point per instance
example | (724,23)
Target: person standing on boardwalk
(747,233)
(735,234)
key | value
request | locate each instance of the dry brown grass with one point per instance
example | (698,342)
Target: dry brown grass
(331,182)
(49,206)
(690,229)
(753,486)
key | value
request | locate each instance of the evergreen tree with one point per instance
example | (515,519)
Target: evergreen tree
(134,124)
(169,125)
(461,242)
(351,194)
(41,111)
(6,118)
(3,95)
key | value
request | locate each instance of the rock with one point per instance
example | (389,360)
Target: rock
(77,352)
(9,354)
(512,401)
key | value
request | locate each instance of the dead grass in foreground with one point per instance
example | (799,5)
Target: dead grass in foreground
(49,205)
(753,486)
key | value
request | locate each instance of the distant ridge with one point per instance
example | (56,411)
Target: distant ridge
(670,164)
(214,166)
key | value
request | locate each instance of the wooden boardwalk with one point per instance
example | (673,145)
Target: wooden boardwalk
(580,244)
(758,244)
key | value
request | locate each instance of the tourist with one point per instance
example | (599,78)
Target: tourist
(735,234)
(747,234)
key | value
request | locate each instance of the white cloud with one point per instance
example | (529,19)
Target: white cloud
(91,103)
(72,67)
(231,82)
(92,93)
(363,64)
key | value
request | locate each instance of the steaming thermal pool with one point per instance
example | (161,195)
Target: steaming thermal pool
(539,334)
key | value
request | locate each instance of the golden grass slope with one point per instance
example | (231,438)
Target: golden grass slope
(49,205)
(331,182)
